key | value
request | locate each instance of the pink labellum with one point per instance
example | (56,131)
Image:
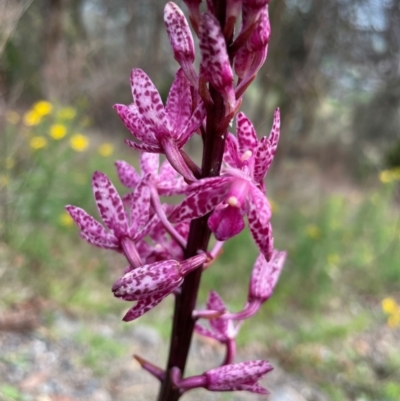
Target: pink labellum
(226,221)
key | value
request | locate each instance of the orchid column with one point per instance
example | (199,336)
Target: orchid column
(166,246)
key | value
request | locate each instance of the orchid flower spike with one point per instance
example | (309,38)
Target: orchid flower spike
(162,129)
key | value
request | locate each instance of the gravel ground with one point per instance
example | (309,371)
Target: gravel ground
(45,364)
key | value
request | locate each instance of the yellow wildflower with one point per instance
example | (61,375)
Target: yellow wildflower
(394,320)
(32,118)
(12,117)
(333,259)
(67,113)
(65,219)
(105,149)
(389,305)
(43,108)
(387,176)
(58,131)
(38,142)
(313,231)
(79,142)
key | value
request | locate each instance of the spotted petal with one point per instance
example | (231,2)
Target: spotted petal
(140,208)
(91,230)
(109,204)
(179,104)
(148,102)
(149,163)
(210,192)
(133,121)
(259,216)
(215,302)
(265,276)
(238,376)
(246,133)
(127,174)
(144,305)
(231,153)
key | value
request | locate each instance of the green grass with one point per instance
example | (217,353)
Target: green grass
(100,350)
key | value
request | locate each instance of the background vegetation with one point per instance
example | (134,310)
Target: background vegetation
(333,70)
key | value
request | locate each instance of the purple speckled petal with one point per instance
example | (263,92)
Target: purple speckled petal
(91,230)
(260,37)
(148,102)
(226,222)
(143,147)
(210,193)
(169,182)
(215,59)
(273,138)
(179,33)
(242,62)
(198,328)
(265,276)
(105,242)
(144,305)
(259,215)
(127,174)
(132,120)
(109,204)
(246,133)
(263,159)
(149,163)
(266,150)
(238,376)
(140,208)
(193,124)
(167,172)
(144,281)
(179,104)
(231,152)
(215,302)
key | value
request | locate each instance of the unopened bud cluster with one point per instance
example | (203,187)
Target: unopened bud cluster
(153,235)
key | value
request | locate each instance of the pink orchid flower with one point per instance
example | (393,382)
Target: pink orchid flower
(162,129)
(124,231)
